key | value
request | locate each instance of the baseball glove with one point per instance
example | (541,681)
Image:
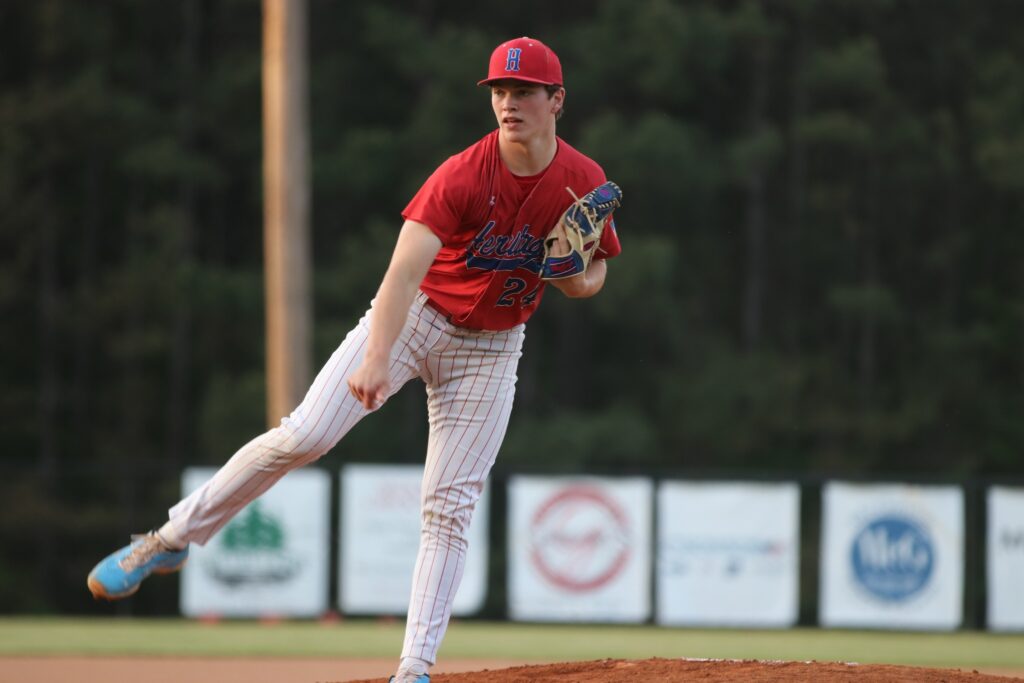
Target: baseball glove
(581,226)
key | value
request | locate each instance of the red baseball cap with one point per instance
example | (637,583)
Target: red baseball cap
(524,59)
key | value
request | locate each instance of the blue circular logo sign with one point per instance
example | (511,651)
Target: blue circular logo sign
(893,558)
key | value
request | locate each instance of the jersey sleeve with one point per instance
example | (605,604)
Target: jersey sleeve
(440,203)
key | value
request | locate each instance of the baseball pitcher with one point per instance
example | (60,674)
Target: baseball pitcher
(483,238)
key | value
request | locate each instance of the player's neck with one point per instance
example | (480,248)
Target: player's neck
(528,157)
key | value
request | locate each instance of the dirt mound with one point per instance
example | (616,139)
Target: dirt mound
(714,671)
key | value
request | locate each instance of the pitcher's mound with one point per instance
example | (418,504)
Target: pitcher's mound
(715,671)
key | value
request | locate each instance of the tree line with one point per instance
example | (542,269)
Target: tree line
(822,268)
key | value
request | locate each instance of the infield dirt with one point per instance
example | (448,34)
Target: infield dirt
(60,669)
(714,671)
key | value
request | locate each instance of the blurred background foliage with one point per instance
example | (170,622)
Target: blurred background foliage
(823,245)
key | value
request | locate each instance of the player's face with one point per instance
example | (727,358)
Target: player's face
(524,110)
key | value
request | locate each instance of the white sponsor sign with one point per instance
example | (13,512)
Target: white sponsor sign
(1005,559)
(892,556)
(728,554)
(579,549)
(271,559)
(380,537)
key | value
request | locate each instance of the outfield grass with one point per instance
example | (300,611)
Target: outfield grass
(487,640)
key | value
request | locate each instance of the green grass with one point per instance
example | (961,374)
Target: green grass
(486,640)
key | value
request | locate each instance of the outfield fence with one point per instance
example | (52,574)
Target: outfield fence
(673,548)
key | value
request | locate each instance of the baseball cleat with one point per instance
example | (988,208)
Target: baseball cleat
(121,572)
(410,678)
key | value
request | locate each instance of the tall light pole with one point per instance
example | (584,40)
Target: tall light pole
(286,236)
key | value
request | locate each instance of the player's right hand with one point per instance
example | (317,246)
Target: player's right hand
(371,383)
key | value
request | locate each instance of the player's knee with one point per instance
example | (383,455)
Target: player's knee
(446,530)
(442,519)
(293,443)
(444,515)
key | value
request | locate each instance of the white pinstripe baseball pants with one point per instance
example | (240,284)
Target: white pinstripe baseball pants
(470,378)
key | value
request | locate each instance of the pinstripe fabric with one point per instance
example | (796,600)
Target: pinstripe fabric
(469,403)
(470,379)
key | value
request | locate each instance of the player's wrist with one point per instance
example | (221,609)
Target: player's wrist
(375,355)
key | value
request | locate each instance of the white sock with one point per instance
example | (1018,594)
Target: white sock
(169,537)
(414,665)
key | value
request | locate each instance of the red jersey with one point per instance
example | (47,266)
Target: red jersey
(492,224)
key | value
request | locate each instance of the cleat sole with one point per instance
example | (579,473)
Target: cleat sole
(99,592)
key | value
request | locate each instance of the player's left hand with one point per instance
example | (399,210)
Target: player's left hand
(558,242)
(558,245)
(570,246)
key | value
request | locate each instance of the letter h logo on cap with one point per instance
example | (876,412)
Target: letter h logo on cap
(524,59)
(512,61)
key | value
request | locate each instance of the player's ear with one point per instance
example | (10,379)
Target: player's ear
(558,101)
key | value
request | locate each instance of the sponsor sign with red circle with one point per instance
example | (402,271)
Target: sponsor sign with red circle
(580,539)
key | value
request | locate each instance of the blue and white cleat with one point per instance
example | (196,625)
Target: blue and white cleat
(408,678)
(120,573)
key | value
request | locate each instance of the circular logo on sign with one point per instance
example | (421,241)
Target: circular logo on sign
(893,558)
(580,539)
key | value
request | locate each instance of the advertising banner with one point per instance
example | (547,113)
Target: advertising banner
(728,554)
(579,549)
(380,536)
(1005,559)
(892,556)
(271,559)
